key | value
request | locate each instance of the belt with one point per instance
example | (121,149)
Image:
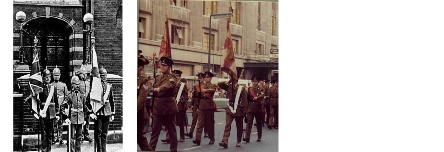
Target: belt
(76,110)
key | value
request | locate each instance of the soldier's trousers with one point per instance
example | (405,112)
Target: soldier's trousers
(101,132)
(158,121)
(86,127)
(239,127)
(76,137)
(250,117)
(181,123)
(267,115)
(194,121)
(47,131)
(141,139)
(273,121)
(205,118)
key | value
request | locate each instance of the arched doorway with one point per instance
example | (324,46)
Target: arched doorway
(53,44)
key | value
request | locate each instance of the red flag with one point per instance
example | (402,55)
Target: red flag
(165,46)
(229,65)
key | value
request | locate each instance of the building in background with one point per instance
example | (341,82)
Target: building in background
(254,33)
(64,42)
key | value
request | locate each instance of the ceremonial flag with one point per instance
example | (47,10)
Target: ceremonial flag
(165,46)
(229,65)
(96,84)
(35,83)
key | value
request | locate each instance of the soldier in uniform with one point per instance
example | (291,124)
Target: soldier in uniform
(62,91)
(49,108)
(164,105)
(235,110)
(255,108)
(274,98)
(206,109)
(266,100)
(142,93)
(85,88)
(195,103)
(105,114)
(76,114)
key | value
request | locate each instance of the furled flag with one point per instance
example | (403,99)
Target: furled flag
(35,83)
(96,84)
(165,46)
(229,65)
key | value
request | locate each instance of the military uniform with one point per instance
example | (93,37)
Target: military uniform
(85,88)
(230,116)
(77,111)
(206,111)
(195,103)
(142,114)
(164,107)
(47,123)
(266,101)
(274,110)
(182,107)
(255,110)
(62,91)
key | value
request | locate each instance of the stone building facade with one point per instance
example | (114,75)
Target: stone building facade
(254,32)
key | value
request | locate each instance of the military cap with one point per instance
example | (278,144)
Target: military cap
(200,74)
(142,61)
(102,71)
(46,72)
(208,74)
(56,71)
(177,72)
(254,78)
(183,80)
(75,80)
(166,61)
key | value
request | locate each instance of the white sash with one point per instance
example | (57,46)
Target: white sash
(180,92)
(51,92)
(233,111)
(105,96)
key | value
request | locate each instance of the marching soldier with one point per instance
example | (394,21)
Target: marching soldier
(266,100)
(255,108)
(85,88)
(105,114)
(274,98)
(142,93)
(195,103)
(164,105)
(76,114)
(49,107)
(235,110)
(206,109)
(62,91)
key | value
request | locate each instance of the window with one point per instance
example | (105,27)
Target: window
(209,7)
(235,9)
(273,19)
(177,35)
(173,2)
(205,42)
(181,3)
(142,28)
(260,49)
(259,16)
(235,46)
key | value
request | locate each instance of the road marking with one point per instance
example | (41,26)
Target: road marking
(219,123)
(191,148)
(254,133)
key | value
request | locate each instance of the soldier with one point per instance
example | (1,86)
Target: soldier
(105,114)
(76,114)
(62,91)
(274,98)
(265,85)
(49,107)
(195,104)
(206,109)
(255,108)
(164,105)
(235,110)
(142,92)
(85,88)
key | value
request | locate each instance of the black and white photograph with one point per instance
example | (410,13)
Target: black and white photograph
(67,75)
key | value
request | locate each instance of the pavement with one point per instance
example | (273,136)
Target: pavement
(269,138)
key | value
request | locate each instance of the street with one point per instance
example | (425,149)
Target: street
(269,138)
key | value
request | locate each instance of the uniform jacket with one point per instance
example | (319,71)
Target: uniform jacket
(143,90)
(62,91)
(253,105)
(274,96)
(164,102)
(231,94)
(266,92)
(183,100)
(196,96)
(53,107)
(77,107)
(205,103)
(85,87)
(108,108)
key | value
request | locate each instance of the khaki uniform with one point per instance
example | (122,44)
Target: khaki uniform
(77,111)
(101,125)
(142,114)
(229,117)
(195,103)
(274,98)
(47,123)
(164,110)
(62,91)
(182,107)
(206,112)
(85,89)
(255,109)
(266,103)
